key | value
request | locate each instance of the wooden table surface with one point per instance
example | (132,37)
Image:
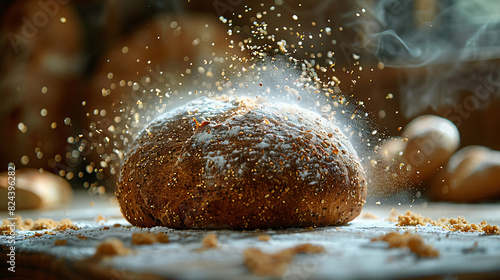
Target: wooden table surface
(349,252)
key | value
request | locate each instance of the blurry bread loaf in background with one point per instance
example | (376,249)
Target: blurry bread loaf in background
(34,190)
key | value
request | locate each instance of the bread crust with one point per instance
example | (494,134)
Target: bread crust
(240,165)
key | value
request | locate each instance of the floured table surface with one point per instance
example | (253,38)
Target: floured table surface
(349,253)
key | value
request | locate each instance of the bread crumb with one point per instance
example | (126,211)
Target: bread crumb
(141,238)
(100,218)
(209,241)
(39,234)
(262,264)
(65,224)
(453,224)
(60,242)
(92,203)
(111,247)
(39,224)
(26,224)
(309,249)
(408,240)
(412,219)
(489,229)
(162,238)
(368,215)
(264,237)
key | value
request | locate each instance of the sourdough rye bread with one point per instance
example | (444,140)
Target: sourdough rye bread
(240,164)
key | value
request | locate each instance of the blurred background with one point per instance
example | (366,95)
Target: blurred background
(67,65)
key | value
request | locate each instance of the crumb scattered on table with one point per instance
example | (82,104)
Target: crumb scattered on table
(409,240)
(65,224)
(38,234)
(264,237)
(308,249)
(39,224)
(111,247)
(263,264)
(452,224)
(209,241)
(162,238)
(141,238)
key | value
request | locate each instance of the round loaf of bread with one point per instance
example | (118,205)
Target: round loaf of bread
(240,164)
(471,175)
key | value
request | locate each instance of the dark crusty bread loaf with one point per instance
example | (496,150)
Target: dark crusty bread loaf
(240,164)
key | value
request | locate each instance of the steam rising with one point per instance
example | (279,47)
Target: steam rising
(414,35)
(448,39)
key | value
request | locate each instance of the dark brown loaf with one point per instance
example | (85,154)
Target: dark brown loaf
(241,165)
